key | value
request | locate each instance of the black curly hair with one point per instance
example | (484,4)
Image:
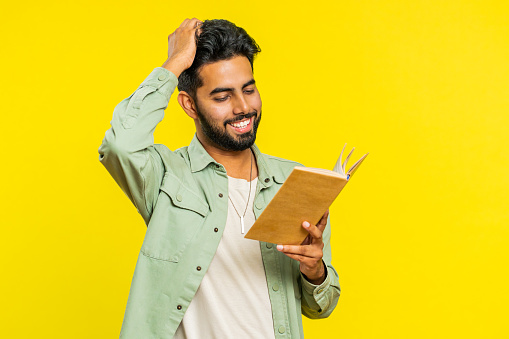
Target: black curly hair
(218,40)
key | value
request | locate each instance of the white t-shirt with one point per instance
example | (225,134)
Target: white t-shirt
(232,300)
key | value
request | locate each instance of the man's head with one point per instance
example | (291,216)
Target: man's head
(218,91)
(218,40)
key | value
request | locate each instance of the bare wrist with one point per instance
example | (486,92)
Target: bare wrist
(173,67)
(320,279)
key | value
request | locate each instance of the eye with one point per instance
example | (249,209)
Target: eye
(249,91)
(221,99)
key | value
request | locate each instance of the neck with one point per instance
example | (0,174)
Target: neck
(236,163)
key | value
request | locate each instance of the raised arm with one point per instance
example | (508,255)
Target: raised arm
(127,149)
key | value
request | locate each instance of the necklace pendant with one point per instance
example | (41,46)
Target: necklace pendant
(242,224)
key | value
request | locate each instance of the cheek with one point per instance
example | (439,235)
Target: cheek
(256,102)
(219,114)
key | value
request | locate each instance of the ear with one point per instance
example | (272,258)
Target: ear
(187,103)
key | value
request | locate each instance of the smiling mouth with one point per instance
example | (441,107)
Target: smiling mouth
(242,126)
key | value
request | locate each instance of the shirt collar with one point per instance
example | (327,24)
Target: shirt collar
(200,159)
(198,156)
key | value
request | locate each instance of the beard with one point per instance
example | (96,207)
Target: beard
(219,135)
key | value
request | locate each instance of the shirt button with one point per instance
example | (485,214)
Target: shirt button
(267,180)
(275,287)
(179,197)
(179,307)
(259,205)
(220,195)
(161,77)
(198,268)
(269,245)
(216,229)
(281,329)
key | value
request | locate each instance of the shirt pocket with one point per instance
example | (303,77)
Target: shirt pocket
(178,216)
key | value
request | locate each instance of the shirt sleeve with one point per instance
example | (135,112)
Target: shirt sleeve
(318,301)
(127,149)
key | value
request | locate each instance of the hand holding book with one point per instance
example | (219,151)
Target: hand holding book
(305,196)
(310,252)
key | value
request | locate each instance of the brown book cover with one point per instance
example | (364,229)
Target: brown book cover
(306,195)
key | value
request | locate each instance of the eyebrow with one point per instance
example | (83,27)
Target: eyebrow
(230,89)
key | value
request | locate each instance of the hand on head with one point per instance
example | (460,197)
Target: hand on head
(182,46)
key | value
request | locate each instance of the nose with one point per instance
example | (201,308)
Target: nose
(240,105)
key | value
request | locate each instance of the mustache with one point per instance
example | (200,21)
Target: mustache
(241,117)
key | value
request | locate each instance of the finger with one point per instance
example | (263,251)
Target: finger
(184,23)
(314,232)
(294,249)
(297,257)
(323,221)
(305,251)
(306,261)
(198,28)
(194,23)
(198,31)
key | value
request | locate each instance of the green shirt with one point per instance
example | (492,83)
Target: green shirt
(182,196)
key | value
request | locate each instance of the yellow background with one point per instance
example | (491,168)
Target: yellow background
(420,236)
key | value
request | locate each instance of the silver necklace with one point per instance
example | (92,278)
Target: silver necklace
(248,197)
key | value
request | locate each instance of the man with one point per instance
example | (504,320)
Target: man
(196,275)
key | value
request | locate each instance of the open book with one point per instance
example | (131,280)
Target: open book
(306,195)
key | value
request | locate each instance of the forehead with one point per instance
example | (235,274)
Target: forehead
(233,73)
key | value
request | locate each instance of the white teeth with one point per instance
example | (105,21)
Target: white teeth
(241,124)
